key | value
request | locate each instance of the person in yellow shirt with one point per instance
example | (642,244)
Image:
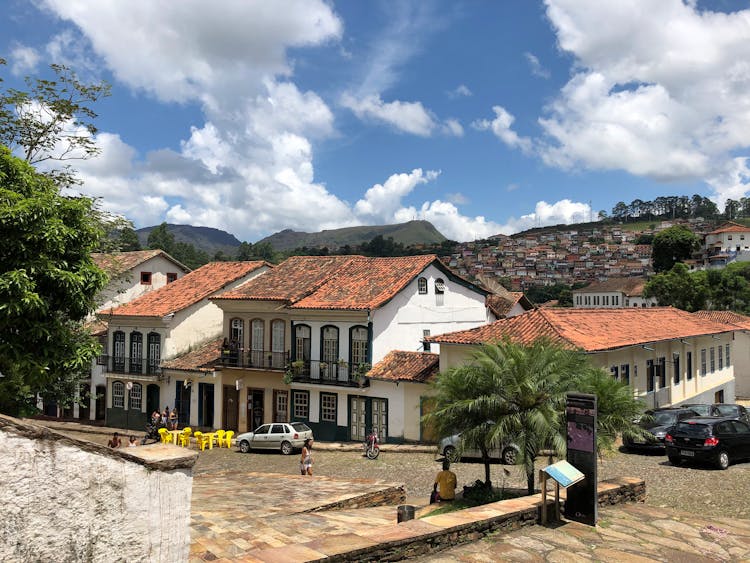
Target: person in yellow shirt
(445,483)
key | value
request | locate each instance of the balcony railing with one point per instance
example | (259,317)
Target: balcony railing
(329,373)
(258,359)
(124,364)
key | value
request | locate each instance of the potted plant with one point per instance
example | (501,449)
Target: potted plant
(360,373)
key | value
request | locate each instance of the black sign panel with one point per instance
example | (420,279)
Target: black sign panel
(580,416)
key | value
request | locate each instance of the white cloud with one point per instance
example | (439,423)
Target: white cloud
(544,214)
(457,198)
(381,201)
(536,67)
(501,127)
(660,89)
(23,59)
(461,91)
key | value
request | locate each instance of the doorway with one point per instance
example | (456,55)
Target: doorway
(254,409)
(230,407)
(153,401)
(367,414)
(206,404)
(280,406)
(101,402)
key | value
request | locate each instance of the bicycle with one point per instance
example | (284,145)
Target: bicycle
(371,447)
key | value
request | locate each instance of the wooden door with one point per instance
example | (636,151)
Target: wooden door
(230,407)
(254,409)
(358,418)
(280,406)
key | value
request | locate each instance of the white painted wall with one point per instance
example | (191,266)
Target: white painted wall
(61,503)
(400,323)
(741,348)
(127,287)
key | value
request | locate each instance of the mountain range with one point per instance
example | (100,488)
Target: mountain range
(212,240)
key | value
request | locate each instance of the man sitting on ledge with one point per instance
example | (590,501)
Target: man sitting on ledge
(445,483)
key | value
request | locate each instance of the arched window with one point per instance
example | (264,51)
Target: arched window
(439,291)
(302,342)
(256,342)
(118,395)
(154,352)
(329,344)
(422,285)
(118,351)
(359,346)
(237,332)
(135,400)
(136,352)
(277,344)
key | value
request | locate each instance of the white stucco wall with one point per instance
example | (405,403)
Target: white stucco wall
(741,346)
(400,323)
(59,502)
(127,287)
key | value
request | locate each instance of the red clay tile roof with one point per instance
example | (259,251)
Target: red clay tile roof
(336,282)
(96,327)
(115,263)
(592,330)
(730,227)
(202,359)
(418,367)
(632,287)
(187,290)
(500,305)
(725,317)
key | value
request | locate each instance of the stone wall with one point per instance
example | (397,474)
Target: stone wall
(63,499)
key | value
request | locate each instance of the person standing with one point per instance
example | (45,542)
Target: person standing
(173,419)
(445,483)
(305,463)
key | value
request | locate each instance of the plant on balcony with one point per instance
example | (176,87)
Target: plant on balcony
(360,372)
(297,366)
(292,370)
(343,364)
(288,377)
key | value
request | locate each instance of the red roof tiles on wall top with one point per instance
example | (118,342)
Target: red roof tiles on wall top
(725,317)
(333,282)
(202,359)
(730,227)
(406,366)
(187,290)
(591,329)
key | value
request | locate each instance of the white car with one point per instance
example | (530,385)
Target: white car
(451,446)
(282,436)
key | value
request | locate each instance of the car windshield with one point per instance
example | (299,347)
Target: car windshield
(694,430)
(725,410)
(663,418)
(300,427)
(703,410)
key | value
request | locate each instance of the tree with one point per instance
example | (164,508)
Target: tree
(672,245)
(128,240)
(511,391)
(48,282)
(161,239)
(52,121)
(679,288)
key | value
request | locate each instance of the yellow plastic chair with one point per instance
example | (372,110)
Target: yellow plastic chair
(166,437)
(200,440)
(228,438)
(219,437)
(185,437)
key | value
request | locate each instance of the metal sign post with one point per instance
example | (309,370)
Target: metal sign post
(580,415)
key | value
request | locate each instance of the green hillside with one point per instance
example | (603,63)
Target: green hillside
(411,233)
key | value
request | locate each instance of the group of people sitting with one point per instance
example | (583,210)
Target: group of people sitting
(166,418)
(116,442)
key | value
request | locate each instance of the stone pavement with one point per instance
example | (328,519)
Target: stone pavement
(630,533)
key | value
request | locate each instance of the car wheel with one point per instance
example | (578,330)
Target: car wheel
(510,455)
(722,462)
(245,446)
(674,459)
(286,448)
(450,453)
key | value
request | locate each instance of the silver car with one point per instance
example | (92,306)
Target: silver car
(282,436)
(451,446)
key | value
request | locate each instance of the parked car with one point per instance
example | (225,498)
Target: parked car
(451,447)
(716,440)
(285,437)
(726,409)
(657,422)
(703,409)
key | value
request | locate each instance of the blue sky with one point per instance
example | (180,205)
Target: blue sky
(482,117)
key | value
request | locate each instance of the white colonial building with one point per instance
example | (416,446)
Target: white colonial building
(614,293)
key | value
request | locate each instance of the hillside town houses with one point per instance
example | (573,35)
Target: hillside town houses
(349,344)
